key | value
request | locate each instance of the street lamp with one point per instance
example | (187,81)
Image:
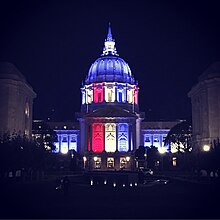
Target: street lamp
(162,151)
(84,161)
(206,148)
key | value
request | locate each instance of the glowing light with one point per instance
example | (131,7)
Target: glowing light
(84,159)
(91,182)
(206,148)
(128,159)
(135,184)
(123,185)
(130,184)
(114,184)
(161,150)
(105,182)
(95,158)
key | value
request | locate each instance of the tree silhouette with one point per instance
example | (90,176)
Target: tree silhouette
(180,136)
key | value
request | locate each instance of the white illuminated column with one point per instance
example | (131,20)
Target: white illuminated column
(89,94)
(83,96)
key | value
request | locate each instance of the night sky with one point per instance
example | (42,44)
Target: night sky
(167,45)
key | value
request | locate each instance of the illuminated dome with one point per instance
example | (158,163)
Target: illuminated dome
(109,67)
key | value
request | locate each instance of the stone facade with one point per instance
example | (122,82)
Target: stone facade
(205,99)
(16,101)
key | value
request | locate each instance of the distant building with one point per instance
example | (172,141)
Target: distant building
(16,101)
(205,99)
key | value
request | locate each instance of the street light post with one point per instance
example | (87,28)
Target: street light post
(162,151)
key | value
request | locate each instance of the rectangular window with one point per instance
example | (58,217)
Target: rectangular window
(147,141)
(97,161)
(110,162)
(123,163)
(73,143)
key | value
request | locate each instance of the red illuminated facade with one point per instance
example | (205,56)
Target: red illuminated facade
(97,137)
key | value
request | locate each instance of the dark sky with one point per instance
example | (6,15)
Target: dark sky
(167,45)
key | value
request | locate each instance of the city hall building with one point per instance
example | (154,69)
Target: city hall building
(110,125)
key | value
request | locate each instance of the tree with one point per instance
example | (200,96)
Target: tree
(44,135)
(180,136)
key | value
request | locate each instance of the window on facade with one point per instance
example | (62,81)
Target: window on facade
(109,93)
(97,137)
(73,143)
(122,137)
(110,137)
(97,161)
(147,141)
(64,139)
(130,96)
(119,96)
(110,162)
(156,139)
(123,162)
(64,145)
(98,93)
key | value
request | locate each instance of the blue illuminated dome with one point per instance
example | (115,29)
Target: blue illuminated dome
(109,67)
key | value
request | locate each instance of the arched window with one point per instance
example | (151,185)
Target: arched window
(121,93)
(97,137)
(110,137)
(98,93)
(109,92)
(123,137)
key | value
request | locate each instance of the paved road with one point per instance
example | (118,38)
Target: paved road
(177,199)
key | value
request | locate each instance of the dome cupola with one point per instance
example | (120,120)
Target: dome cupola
(109,67)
